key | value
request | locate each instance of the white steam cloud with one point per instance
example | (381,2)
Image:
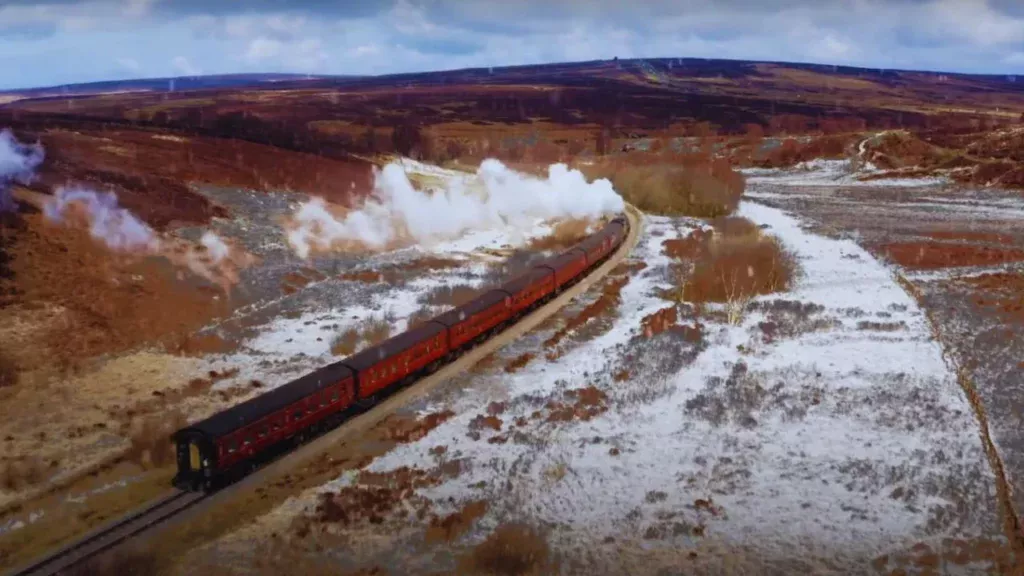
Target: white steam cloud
(116,227)
(17,163)
(213,258)
(396,211)
(215,246)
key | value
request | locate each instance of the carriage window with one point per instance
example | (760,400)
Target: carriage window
(232,446)
(246,441)
(275,426)
(263,431)
(297,415)
(334,396)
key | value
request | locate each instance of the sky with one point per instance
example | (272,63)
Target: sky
(52,42)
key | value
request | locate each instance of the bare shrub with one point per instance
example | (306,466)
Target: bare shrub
(344,344)
(701,188)
(150,440)
(735,227)
(421,316)
(371,331)
(564,234)
(732,269)
(376,329)
(450,527)
(8,372)
(511,550)
(518,362)
(452,295)
(792,152)
(21,473)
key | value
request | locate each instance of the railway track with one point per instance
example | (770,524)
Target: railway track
(112,534)
(153,514)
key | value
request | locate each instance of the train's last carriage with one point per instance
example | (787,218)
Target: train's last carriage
(196,458)
(230,439)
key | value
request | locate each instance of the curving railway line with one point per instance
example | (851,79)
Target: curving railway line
(144,520)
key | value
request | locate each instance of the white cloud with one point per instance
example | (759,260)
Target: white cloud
(184,67)
(305,55)
(964,35)
(129,64)
(262,49)
(976,21)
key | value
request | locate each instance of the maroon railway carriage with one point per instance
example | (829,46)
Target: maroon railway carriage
(398,357)
(530,288)
(227,441)
(567,266)
(599,245)
(476,317)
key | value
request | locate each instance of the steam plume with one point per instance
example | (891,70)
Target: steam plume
(398,212)
(17,163)
(116,227)
(213,258)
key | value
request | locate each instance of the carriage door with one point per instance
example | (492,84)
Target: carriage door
(193,456)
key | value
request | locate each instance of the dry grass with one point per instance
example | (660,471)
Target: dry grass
(792,152)
(453,295)
(450,527)
(21,473)
(518,362)
(110,303)
(372,331)
(151,445)
(8,372)
(344,344)
(421,316)
(736,264)
(511,550)
(700,188)
(564,234)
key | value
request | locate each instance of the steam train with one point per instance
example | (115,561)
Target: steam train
(228,445)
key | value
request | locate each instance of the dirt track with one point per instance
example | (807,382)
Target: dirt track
(173,539)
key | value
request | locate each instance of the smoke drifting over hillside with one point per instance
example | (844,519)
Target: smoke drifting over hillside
(121,231)
(116,227)
(398,214)
(17,164)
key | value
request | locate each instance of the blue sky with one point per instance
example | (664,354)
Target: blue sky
(47,42)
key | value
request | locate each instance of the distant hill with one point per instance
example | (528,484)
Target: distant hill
(628,95)
(159,84)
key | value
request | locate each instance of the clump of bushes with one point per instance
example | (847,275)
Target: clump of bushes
(450,295)
(698,187)
(735,264)
(792,151)
(150,440)
(18,474)
(511,550)
(372,331)
(8,372)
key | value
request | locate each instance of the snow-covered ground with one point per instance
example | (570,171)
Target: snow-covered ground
(821,432)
